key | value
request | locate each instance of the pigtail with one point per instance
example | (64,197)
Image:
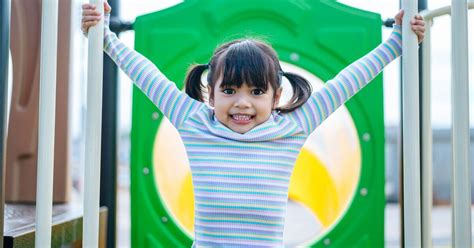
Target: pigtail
(301,92)
(194,86)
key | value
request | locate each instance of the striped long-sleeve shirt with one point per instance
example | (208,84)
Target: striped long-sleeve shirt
(241,180)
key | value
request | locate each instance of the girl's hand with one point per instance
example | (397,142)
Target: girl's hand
(417,25)
(90,16)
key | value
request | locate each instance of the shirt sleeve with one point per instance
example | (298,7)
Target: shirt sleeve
(173,103)
(347,83)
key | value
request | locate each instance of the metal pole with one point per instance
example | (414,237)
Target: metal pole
(93,132)
(46,125)
(432,14)
(461,192)
(108,176)
(426,133)
(400,158)
(4,55)
(411,130)
(427,139)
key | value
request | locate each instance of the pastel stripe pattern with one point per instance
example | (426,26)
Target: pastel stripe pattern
(162,92)
(241,180)
(347,83)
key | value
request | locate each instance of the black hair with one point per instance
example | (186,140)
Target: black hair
(249,61)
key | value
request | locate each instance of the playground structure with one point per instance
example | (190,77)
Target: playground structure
(169,202)
(334,188)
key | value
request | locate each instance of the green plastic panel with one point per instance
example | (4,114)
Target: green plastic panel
(326,35)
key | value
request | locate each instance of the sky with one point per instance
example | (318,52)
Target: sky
(441,73)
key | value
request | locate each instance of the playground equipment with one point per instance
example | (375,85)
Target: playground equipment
(341,197)
(318,172)
(47,112)
(93,132)
(411,131)
(47,128)
(158,219)
(461,227)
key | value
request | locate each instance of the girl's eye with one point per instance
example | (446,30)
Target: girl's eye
(228,91)
(258,92)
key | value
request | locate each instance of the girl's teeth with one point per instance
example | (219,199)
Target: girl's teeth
(242,117)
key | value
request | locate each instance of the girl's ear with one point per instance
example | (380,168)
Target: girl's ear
(277,97)
(211,99)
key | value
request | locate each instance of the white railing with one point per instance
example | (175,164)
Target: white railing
(46,129)
(93,132)
(46,124)
(461,191)
(461,196)
(411,130)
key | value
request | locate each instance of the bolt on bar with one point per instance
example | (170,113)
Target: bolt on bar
(93,131)
(461,190)
(411,130)
(47,105)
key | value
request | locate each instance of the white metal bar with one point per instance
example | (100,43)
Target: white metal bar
(427,140)
(411,130)
(431,14)
(46,124)
(461,191)
(427,186)
(93,132)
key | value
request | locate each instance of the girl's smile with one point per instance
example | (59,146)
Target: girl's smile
(242,118)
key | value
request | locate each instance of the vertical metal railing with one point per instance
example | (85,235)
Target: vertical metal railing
(461,193)
(93,132)
(4,56)
(426,140)
(47,110)
(461,228)
(411,130)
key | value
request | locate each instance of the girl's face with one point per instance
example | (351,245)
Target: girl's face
(242,109)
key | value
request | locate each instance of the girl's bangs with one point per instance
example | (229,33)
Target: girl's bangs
(246,64)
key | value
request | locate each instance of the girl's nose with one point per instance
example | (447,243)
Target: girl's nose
(242,102)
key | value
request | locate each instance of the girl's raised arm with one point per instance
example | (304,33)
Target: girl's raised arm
(347,83)
(354,77)
(173,103)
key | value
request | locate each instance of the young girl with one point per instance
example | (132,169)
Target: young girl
(242,147)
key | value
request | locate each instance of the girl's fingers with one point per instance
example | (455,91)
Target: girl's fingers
(421,37)
(86,25)
(88,6)
(418,28)
(400,14)
(107,8)
(417,22)
(90,18)
(398,17)
(90,12)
